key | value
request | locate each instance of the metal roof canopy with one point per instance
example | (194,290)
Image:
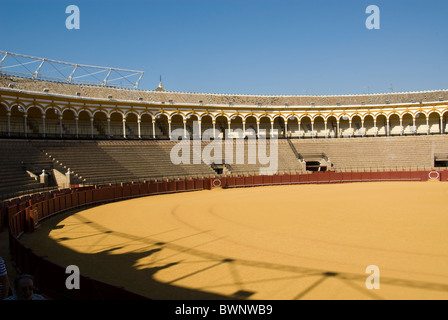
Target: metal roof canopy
(47,69)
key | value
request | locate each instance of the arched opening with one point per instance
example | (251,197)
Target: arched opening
(332,126)
(305,127)
(192,126)
(279,127)
(369,126)
(251,127)
(221,125)
(434,123)
(381,125)
(206,124)
(357,126)
(68,123)
(100,125)
(319,127)
(131,126)
(236,124)
(146,126)
(344,127)
(35,123)
(84,125)
(17,121)
(394,124)
(162,127)
(293,127)
(408,124)
(116,125)
(265,127)
(177,123)
(420,123)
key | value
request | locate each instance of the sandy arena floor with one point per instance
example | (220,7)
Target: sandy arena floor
(280,242)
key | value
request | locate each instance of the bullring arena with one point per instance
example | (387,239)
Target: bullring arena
(87,179)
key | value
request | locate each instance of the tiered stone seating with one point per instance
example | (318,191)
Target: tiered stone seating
(385,153)
(16,158)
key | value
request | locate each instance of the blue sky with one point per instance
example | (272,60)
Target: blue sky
(244,46)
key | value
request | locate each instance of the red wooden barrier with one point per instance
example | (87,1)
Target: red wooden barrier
(248,181)
(180,185)
(135,189)
(190,184)
(171,186)
(285,178)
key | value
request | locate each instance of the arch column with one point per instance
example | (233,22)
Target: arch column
(124,128)
(337,128)
(350,127)
(312,128)
(43,126)
(441,125)
(139,128)
(200,129)
(185,127)
(387,127)
(286,129)
(272,129)
(363,132)
(214,124)
(244,127)
(401,126)
(325,128)
(25,131)
(76,126)
(427,125)
(258,128)
(108,127)
(414,129)
(8,122)
(169,129)
(153,127)
(91,128)
(375,132)
(60,126)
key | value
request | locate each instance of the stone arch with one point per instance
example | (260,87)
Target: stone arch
(292,126)
(420,123)
(251,126)
(265,126)
(369,125)
(381,124)
(161,126)
(279,125)
(306,127)
(206,123)
(177,123)
(100,124)
(319,126)
(345,129)
(221,125)
(84,124)
(394,124)
(17,121)
(357,126)
(332,126)
(35,123)
(408,123)
(434,122)
(68,123)
(146,126)
(236,124)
